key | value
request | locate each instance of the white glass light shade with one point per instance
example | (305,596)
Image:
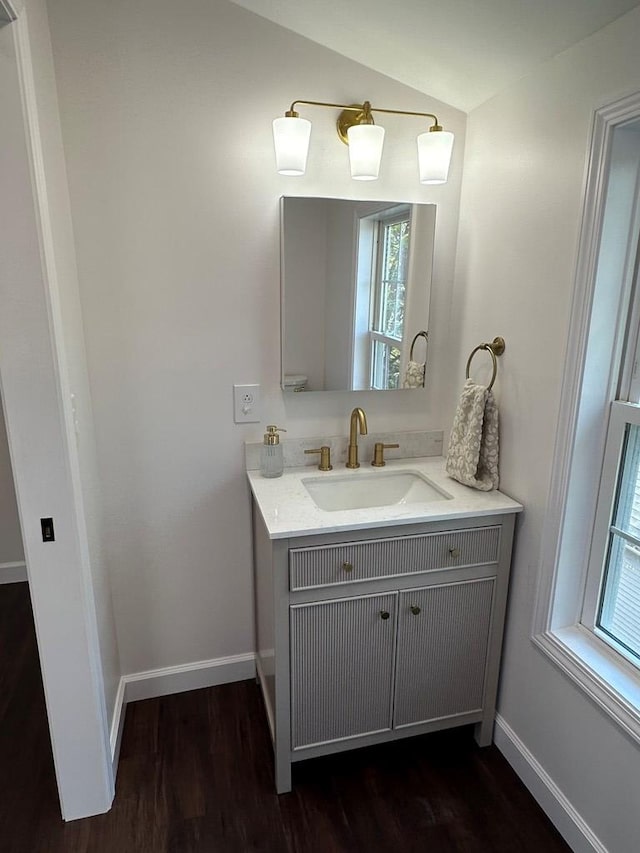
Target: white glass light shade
(291,142)
(365,151)
(434,156)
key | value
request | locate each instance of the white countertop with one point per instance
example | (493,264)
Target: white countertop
(288,509)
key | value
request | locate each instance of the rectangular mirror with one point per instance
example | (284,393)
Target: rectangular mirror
(355,289)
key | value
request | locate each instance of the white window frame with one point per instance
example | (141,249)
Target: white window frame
(591,382)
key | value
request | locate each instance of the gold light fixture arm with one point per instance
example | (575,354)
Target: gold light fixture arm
(353,114)
(435,126)
(353,107)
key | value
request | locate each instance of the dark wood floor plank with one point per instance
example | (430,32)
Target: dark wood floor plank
(196,776)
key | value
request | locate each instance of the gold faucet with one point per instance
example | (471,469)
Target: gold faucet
(358,419)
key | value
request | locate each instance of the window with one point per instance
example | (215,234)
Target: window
(588,614)
(612,601)
(612,593)
(618,612)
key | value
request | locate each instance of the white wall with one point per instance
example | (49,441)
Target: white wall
(167,130)
(520,217)
(11,550)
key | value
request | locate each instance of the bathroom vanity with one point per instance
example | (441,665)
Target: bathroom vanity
(381,622)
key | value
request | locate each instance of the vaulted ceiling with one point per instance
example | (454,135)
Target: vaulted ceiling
(460,51)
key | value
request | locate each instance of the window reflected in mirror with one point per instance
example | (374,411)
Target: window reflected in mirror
(385,275)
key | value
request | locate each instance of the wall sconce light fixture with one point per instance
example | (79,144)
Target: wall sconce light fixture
(365,139)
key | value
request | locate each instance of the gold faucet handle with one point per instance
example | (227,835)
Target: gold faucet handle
(325,457)
(378,453)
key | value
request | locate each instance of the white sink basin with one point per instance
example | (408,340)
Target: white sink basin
(360,490)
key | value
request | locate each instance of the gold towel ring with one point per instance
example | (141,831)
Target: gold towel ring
(495,348)
(421,334)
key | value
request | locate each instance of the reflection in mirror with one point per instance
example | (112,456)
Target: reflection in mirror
(356,282)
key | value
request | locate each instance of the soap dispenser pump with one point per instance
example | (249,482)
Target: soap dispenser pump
(272,458)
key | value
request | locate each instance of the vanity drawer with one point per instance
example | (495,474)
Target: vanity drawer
(381,558)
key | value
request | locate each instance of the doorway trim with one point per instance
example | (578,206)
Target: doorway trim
(43,452)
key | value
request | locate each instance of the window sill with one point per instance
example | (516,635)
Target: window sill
(606,677)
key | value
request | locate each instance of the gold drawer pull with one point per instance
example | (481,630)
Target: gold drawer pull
(384,614)
(348,567)
(414,609)
(455,552)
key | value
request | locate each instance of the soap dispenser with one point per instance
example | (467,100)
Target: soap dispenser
(272,458)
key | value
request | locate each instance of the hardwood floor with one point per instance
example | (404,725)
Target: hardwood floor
(195,776)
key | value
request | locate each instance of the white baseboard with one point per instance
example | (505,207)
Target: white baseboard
(174,679)
(13,572)
(191,676)
(117,726)
(569,823)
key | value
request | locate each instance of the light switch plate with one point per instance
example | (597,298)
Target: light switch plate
(246,404)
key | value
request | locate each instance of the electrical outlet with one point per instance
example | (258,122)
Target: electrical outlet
(246,404)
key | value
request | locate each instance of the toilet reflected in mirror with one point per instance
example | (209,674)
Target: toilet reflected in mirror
(355,286)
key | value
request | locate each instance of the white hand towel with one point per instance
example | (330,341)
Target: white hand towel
(473,445)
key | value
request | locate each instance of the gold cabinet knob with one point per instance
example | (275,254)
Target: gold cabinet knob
(347,567)
(384,614)
(414,609)
(455,552)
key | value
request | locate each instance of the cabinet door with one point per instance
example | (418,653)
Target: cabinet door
(341,668)
(443,635)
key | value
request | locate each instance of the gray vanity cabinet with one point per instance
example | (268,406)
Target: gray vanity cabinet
(341,668)
(443,643)
(373,635)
